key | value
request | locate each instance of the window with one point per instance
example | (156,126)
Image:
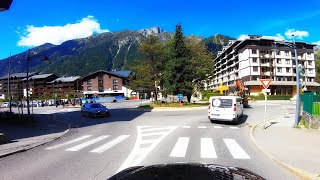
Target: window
(287,61)
(288,70)
(286,53)
(309,55)
(254,51)
(255,69)
(279,79)
(310,63)
(89,82)
(278,61)
(289,78)
(278,52)
(261,52)
(115,87)
(279,69)
(254,60)
(89,88)
(254,78)
(310,71)
(115,81)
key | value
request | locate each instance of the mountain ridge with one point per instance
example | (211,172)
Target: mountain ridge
(108,51)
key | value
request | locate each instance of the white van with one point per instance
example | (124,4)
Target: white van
(225,108)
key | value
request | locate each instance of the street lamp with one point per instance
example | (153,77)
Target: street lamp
(27,92)
(5,5)
(9,84)
(293,45)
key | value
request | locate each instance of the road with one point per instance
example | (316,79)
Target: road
(98,148)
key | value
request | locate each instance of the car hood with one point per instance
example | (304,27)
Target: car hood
(185,171)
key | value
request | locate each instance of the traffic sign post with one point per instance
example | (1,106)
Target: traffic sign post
(265,83)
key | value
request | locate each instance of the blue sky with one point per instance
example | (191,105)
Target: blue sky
(29,23)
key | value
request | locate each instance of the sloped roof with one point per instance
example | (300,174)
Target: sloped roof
(39,76)
(17,75)
(122,73)
(280,83)
(66,79)
(105,72)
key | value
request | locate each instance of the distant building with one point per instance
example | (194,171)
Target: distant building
(104,83)
(250,58)
(16,85)
(38,85)
(63,87)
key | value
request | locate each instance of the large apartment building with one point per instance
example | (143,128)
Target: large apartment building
(250,58)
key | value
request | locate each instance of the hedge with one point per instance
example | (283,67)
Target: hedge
(271,97)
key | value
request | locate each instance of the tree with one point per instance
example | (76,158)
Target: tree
(148,70)
(187,65)
(318,67)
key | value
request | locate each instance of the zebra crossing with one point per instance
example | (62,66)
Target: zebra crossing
(179,150)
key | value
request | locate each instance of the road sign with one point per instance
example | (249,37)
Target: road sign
(180,96)
(266,90)
(265,82)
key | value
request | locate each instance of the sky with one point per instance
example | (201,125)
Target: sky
(29,23)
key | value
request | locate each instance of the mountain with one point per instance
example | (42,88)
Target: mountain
(109,51)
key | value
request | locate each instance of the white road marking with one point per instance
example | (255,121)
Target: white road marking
(147,141)
(152,134)
(156,129)
(180,148)
(88,143)
(185,126)
(233,127)
(217,127)
(69,142)
(138,154)
(202,127)
(236,151)
(110,144)
(207,148)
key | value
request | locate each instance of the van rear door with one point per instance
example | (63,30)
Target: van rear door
(221,107)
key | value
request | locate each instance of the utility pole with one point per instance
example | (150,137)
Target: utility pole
(9,84)
(297,85)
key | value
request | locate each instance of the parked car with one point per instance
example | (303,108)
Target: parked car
(7,104)
(94,110)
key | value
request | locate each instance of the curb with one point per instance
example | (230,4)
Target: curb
(298,172)
(169,109)
(28,148)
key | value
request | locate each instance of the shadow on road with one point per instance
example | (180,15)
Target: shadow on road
(241,120)
(47,124)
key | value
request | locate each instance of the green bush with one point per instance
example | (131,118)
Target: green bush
(128,98)
(271,97)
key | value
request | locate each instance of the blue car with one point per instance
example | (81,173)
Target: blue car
(94,110)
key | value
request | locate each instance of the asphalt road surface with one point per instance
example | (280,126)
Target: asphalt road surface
(98,148)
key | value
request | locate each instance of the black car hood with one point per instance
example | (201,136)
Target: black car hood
(185,171)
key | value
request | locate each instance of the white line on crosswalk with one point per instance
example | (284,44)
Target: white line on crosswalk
(185,126)
(88,143)
(236,151)
(207,148)
(152,134)
(110,144)
(233,127)
(147,141)
(217,127)
(202,127)
(156,129)
(68,142)
(180,147)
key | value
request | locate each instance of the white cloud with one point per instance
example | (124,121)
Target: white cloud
(317,43)
(298,34)
(36,36)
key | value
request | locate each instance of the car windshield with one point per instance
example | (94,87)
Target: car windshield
(96,105)
(89,88)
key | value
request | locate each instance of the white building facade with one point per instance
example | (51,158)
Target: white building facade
(250,58)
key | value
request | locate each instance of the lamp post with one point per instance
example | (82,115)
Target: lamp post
(294,46)
(297,84)
(9,84)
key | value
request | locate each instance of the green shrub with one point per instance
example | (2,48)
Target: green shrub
(271,97)
(128,98)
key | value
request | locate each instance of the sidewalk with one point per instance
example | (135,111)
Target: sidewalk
(298,150)
(24,138)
